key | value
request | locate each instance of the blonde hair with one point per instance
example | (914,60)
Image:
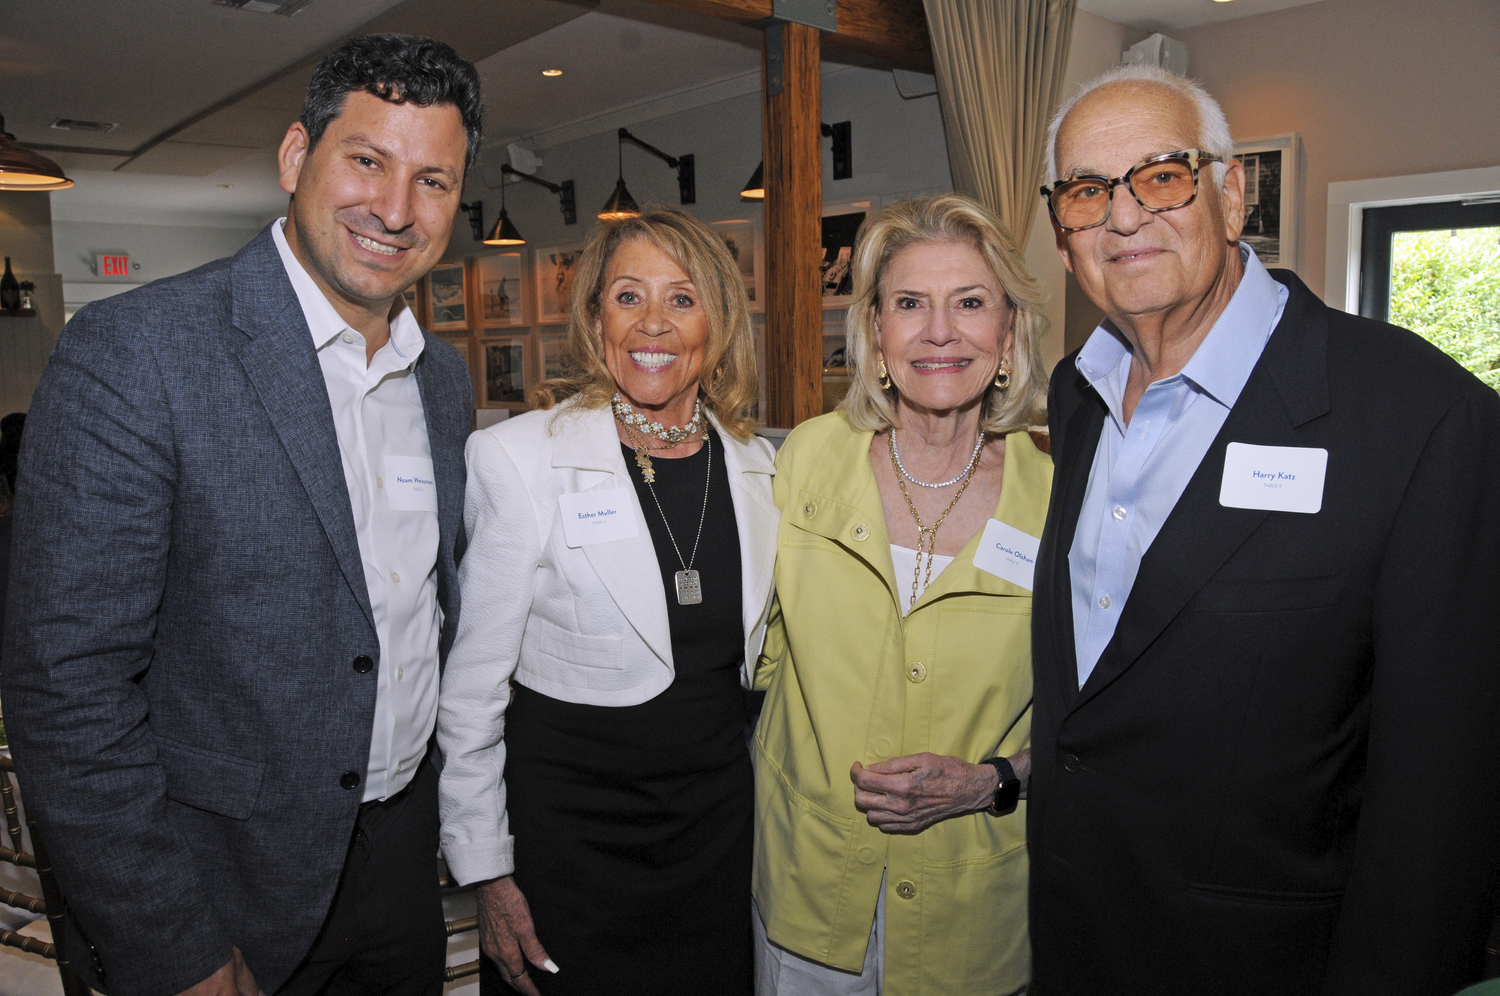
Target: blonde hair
(728,379)
(944,218)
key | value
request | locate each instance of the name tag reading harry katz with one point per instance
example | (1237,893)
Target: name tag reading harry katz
(1273,478)
(1008,553)
(590,517)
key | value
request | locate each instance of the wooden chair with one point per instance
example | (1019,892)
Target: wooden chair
(460,926)
(51,903)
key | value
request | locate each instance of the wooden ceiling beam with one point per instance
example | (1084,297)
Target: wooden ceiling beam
(891,31)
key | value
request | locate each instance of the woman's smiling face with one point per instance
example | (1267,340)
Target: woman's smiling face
(654,330)
(945,323)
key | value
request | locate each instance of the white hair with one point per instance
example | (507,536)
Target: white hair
(1213,129)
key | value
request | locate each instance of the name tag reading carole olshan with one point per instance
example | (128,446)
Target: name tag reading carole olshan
(590,517)
(1273,478)
(409,484)
(1008,553)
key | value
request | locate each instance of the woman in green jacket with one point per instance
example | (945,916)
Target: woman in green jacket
(890,848)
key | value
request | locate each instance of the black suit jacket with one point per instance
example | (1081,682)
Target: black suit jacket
(1283,776)
(181,682)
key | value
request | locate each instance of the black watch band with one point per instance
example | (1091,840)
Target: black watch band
(1008,792)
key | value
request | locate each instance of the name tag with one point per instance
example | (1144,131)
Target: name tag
(1008,553)
(1273,478)
(409,484)
(598,516)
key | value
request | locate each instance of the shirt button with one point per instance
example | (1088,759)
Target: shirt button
(1119,511)
(363,664)
(1104,602)
(906,890)
(916,672)
(395,578)
(348,337)
(380,482)
(400,673)
(349,780)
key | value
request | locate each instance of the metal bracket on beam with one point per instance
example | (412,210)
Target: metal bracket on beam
(820,14)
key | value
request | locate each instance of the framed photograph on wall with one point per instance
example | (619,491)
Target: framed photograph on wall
(554,360)
(740,238)
(1273,189)
(554,283)
(504,372)
(413,297)
(447,298)
(840,225)
(501,278)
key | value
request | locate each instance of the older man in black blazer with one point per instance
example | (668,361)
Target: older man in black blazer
(1267,645)
(239,512)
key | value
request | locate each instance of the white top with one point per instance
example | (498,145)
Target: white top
(382,433)
(575,614)
(905,561)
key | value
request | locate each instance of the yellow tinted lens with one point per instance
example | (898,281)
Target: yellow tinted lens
(1165,184)
(1080,203)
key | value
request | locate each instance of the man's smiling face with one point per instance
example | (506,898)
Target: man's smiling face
(374,201)
(1138,262)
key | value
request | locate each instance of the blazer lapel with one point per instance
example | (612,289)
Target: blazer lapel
(448,469)
(1288,387)
(755,515)
(278,357)
(1082,434)
(841,502)
(628,568)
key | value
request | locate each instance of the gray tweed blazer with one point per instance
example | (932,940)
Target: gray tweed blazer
(186,605)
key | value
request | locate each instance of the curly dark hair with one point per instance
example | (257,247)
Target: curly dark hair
(395,68)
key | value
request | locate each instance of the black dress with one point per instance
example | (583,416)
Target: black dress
(633,824)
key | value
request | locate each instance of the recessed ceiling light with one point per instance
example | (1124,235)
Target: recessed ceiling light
(225,186)
(551,72)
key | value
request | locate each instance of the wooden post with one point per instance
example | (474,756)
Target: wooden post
(794,234)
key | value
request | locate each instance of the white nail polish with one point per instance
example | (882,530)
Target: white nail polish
(550,966)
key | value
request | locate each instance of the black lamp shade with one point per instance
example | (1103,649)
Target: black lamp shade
(620,204)
(755,188)
(504,233)
(22,169)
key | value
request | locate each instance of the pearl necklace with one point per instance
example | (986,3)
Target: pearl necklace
(973,462)
(636,423)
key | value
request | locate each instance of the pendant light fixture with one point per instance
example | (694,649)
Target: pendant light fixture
(504,233)
(755,187)
(22,169)
(843,164)
(621,205)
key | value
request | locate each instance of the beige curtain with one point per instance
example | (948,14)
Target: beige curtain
(1000,66)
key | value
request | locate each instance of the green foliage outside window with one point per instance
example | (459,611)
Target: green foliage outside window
(1445,286)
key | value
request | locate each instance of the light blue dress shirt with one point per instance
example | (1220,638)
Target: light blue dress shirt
(1140,470)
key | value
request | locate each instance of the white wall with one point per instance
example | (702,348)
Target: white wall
(155,251)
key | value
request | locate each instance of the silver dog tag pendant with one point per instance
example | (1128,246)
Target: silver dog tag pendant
(689,592)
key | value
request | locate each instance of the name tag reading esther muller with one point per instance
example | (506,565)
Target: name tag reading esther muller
(1273,478)
(590,517)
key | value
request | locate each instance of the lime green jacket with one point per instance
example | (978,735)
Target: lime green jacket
(848,679)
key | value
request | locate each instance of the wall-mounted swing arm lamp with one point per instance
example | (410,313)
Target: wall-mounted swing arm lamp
(843,161)
(22,169)
(476,218)
(504,233)
(622,205)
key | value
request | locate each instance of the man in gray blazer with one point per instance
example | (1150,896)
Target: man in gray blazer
(239,513)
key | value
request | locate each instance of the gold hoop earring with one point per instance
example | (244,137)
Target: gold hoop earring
(1002,376)
(885,377)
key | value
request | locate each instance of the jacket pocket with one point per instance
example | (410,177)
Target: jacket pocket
(1278,595)
(1268,897)
(564,647)
(208,780)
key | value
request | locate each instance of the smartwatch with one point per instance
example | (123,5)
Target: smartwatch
(1008,792)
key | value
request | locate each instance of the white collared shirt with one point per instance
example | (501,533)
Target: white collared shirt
(382,433)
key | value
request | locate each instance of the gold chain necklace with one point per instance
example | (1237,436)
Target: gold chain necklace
(927,535)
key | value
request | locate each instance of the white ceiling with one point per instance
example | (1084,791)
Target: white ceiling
(1174,15)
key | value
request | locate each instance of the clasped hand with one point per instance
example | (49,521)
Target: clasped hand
(909,794)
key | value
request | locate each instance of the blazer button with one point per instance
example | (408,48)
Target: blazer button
(349,780)
(363,664)
(860,532)
(1071,763)
(916,671)
(810,509)
(906,890)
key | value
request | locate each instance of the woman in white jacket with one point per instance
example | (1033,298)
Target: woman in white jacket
(596,781)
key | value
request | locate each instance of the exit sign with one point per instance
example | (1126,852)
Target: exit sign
(113,266)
